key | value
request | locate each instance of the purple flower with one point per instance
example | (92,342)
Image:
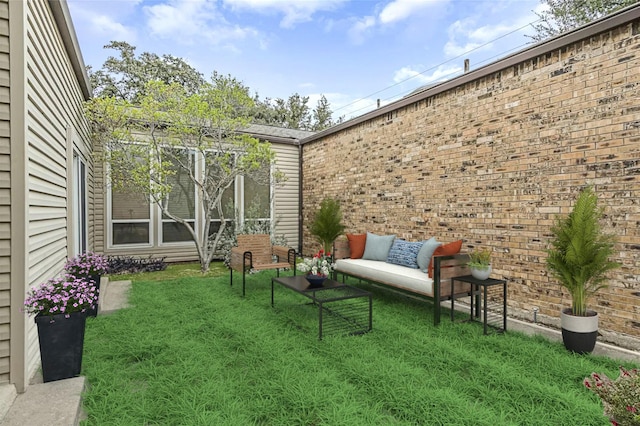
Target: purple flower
(88,263)
(65,294)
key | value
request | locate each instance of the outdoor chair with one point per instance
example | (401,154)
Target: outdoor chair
(255,253)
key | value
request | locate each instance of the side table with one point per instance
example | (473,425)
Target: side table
(475,291)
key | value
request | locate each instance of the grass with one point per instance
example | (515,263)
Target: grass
(175,270)
(192,351)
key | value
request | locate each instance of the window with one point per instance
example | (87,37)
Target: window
(181,202)
(228,209)
(130,218)
(257,197)
(79,205)
(135,221)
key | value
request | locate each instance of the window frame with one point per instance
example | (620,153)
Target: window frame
(111,221)
(196,202)
(156,221)
(80,205)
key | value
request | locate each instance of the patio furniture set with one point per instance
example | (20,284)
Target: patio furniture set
(442,275)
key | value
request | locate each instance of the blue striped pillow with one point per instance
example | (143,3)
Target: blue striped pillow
(404,253)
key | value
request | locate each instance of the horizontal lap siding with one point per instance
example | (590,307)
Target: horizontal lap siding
(494,160)
(5,199)
(54,103)
(286,197)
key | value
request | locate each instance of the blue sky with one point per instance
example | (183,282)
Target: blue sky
(353,52)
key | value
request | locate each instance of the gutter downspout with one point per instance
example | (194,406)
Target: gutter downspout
(300,176)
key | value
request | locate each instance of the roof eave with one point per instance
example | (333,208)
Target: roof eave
(62,17)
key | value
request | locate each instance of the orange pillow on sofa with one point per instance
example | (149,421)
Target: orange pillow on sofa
(445,250)
(356,244)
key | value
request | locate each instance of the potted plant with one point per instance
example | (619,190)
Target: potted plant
(87,264)
(326,225)
(318,268)
(90,266)
(480,263)
(579,260)
(60,306)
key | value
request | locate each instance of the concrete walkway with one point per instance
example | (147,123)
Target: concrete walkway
(58,403)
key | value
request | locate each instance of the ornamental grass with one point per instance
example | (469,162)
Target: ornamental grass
(192,351)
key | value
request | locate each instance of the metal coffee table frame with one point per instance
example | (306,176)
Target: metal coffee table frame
(330,292)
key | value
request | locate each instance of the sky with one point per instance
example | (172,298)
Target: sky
(354,52)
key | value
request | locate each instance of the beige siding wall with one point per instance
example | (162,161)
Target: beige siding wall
(286,196)
(54,124)
(5,199)
(100,205)
(493,161)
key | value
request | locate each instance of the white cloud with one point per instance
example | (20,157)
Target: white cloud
(394,12)
(441,73)
(399,10)
(466,35)
(294,11)
(191,21)
(116,31)
(102,23)
(361,28)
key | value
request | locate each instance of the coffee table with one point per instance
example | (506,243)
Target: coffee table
(349,308)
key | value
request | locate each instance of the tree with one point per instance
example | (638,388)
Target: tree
(175,144)
(565,15)
(322,115)
(294,113)
(125,77)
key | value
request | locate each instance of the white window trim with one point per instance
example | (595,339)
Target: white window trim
(272,194)
(110,221)
(196,220)
(80,208)
(156,220)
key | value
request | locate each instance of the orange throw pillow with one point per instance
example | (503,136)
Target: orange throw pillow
(356,244)
(445,250)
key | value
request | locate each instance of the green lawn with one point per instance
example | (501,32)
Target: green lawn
(192,351)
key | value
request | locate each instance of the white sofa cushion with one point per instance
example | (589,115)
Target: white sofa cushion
(386,273)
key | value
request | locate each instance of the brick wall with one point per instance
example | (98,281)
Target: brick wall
(494,160)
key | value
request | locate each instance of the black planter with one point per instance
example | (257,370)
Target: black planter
(61,343)
(579,333)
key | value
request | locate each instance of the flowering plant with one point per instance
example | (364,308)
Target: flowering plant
(87,263)
(621,397)
(320,264)
(61,295)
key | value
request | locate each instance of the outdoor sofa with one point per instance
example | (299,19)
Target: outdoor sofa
(422,268)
